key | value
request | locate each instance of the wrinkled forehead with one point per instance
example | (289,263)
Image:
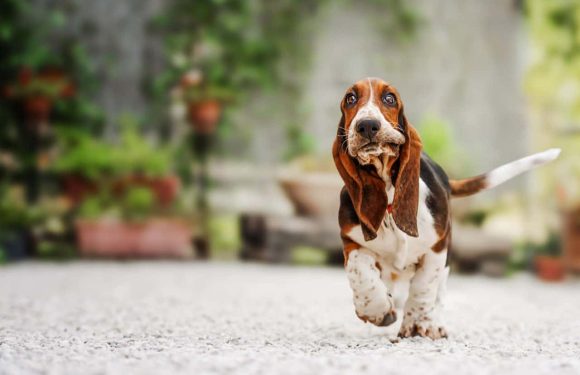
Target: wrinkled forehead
(375,86)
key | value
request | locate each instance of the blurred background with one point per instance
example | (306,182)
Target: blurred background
(194,130)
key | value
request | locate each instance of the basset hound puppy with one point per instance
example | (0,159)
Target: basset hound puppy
(394,215)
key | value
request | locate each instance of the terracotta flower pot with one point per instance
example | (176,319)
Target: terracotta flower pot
(165,189)
(204,115)
(76,188)
(36,105)
(549,268)
(155,238)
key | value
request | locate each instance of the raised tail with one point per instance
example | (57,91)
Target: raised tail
(472,185)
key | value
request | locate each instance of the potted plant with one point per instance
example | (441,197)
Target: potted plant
(36,92)
(83,160)
(548,262)
(88,165)
(203,100)
(130,226)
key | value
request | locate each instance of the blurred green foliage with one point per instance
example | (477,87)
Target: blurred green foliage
(436,137)
(440,144)
(15,216)
(237,48)
(522,257)
(476,216)
(300,143)
(554,78)
(224,234)
(31,45)
(234,43)
(134,204)
(138,203)
(28,40)
(553,86)
(308,256)
(19,222)
(197,94)
(92,207)
(93,158)
(56,250)
(398,18)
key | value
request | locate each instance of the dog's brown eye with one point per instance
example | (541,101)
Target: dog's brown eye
(350,99)
(389,99)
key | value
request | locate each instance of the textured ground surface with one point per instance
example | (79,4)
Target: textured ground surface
(92,317)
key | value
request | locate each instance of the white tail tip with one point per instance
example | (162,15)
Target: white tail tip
(510,170)
(548,155)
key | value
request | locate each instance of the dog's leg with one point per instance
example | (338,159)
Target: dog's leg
(421,316)
(372,300)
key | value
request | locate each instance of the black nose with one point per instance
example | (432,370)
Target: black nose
(368,128)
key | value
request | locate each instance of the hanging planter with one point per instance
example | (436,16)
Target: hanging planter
(36,93)
(204,101)
(204,115)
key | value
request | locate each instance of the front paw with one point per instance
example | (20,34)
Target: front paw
(387,319)
(423,327)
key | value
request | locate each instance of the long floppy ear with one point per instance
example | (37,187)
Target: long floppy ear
(406,201)
(365,188)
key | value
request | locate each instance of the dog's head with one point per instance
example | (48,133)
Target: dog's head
(375,143)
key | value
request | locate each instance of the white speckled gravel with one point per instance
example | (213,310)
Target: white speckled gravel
(195,318)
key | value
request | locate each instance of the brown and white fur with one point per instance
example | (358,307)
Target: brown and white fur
(395,214)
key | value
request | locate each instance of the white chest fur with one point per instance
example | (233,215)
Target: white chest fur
(395,248)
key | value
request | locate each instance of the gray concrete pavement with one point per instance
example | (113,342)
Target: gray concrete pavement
(216,318)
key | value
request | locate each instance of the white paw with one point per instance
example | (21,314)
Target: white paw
(423,326)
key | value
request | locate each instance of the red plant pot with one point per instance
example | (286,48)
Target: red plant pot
(165,189)
(76,188)
(155,238)
(549,268)
(204,115)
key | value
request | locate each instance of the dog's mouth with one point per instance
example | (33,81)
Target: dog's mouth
(371,148)
(376,149)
